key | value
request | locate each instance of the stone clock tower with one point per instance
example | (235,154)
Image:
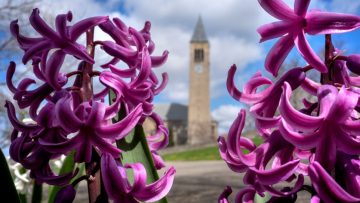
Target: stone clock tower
(199,119)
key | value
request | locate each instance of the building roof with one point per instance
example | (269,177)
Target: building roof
(172,111)
(199,34)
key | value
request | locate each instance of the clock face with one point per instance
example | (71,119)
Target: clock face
(198,68)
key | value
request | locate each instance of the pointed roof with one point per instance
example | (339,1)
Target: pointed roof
(199,34)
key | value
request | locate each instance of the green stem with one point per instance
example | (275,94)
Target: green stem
(37,193)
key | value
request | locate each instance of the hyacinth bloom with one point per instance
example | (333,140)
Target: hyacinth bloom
(119,188)
(71,117)
(321,139)
(307,132)
(293,25)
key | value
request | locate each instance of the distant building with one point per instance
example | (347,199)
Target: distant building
(192,124)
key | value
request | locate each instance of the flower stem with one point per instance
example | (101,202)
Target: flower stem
(96,192)
(326,78)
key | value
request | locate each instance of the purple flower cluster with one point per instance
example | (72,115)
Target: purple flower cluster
(71,117)
(322,140)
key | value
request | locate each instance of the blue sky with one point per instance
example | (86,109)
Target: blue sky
(231,29)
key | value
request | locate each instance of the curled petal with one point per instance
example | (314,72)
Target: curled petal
(246,195)
(343,105)
(158,161)
(60,23)
(122,128)
(299,183)
(157,190)
(301,7)
(41,27)
(308,54)
(278,53)
(326,187)
(353,63)
(275,175)
(157,61)
(65,115)
(274,30)
(310,86)
(278,9)
(53,67)
(236,94)
(320,22)
(15,122)
(9,75)
(165,79)
(82,26)
(295,118)
(223,198)
(303,141)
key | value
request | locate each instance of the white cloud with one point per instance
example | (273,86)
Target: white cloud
(225,115)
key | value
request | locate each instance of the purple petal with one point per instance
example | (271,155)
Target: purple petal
(236,94)
(319,22)
(65,195)
(41,27)
(278,9)
(158,161)
(157,190)
(301,7)
(308,54)
(326,149)
(310,86)
(326,187)
(9,75)
(145,69)
(223,198)
(15,122)
(157,61)
(343,106)
(53,66)
(246,195)
(295,118)
(36,49)
(60,23)
(65,115)
(302,141)
(278,53)
(274,30)
(165,79)
(82,26)
(115,181)
(122,128)
(353,63)
(299,183)
(275,175)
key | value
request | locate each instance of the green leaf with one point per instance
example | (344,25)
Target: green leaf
(68,166)
(259,199)
(135,149)
(37,192)
(7,187)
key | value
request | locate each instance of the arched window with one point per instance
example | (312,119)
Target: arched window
(199,55)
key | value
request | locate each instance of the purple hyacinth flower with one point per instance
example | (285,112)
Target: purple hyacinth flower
(293,25)
(265,103)
(119,188)
(327,188)
(307,132)
(64,37)
(91,127)
(66,194)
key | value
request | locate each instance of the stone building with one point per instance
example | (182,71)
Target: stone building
(192,124)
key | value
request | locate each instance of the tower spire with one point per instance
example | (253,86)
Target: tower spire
(199,34)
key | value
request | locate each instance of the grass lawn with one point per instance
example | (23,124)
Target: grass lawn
(207,153)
